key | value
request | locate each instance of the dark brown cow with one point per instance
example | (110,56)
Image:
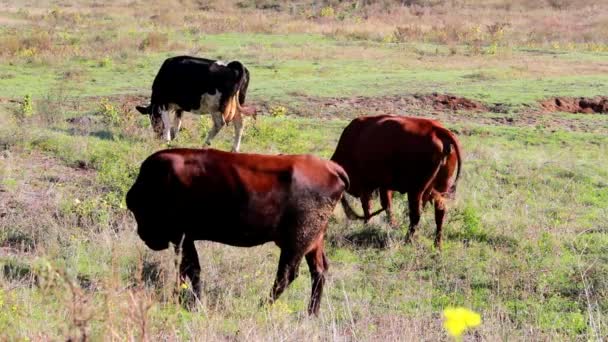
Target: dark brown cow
(183,195)
(405,154)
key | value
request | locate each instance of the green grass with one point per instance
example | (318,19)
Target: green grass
(312,65)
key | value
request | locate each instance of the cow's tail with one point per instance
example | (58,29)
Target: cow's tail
(349,211)
(241,78)
(449,140)
(239,91)
(342,174)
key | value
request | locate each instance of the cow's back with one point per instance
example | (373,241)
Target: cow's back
(180,79)
(256,196)
(386,151)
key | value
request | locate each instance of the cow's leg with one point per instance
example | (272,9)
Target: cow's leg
(439,216)
(165,115)
(218,123)
(190,266)
(318,265)
(289,262)
(415,201)
(238,133)
(177,123)
(386,199)
(366,204)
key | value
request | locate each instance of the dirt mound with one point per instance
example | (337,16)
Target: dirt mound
(443,102)
(406,104)
(585,105)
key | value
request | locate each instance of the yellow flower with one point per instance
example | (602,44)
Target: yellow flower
(184,286)
(457,320)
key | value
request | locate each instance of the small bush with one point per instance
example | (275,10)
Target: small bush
(105,62)
(278,111)
(27,108)
(327,12)
(51,108)
(154,41)
(109,113)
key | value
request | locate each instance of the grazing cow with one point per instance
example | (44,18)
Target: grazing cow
(199,86)
(183,195)
(405,154)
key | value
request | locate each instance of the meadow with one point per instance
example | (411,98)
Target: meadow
(526,237)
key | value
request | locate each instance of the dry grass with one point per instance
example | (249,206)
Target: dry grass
(56,32)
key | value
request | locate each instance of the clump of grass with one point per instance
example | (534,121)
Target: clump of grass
(327,12)
(105,62)
(278,111)
(109,113)
(154,41)
(26,108)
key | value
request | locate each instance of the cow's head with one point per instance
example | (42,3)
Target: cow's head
(156,119)
(155,225)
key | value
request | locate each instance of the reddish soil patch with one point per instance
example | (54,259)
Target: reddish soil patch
(443,102)
(433,102)
(576,104)
(406,104)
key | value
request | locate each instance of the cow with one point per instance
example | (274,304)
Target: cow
(183,195)
(394,153)
(199,86)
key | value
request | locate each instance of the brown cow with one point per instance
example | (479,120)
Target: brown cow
(405,154)
(183,195)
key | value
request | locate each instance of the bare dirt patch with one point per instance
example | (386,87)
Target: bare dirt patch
(395,103)
(405,104)
(583,105)
(443,102)
(447,108)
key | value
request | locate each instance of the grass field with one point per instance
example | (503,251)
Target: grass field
(526,241)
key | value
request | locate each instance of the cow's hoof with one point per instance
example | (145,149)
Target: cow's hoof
(409,238)
(438,245)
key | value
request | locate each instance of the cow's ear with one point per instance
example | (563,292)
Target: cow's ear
(143,110)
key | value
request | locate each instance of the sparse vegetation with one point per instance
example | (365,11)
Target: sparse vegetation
(526,236)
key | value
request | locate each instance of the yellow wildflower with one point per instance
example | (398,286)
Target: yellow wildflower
(457,320)
(184,286)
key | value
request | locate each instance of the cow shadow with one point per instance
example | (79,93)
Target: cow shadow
(496,240)
(103,134)
(368,237)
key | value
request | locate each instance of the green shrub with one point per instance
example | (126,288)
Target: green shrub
(278,111)
(26,108)
(109,113)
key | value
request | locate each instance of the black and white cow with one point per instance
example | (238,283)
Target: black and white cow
(199,86)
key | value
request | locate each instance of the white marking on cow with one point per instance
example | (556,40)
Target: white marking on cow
(218,62)
(209,103)
(165,116)
(218,123)
(177,122)
(238,133)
